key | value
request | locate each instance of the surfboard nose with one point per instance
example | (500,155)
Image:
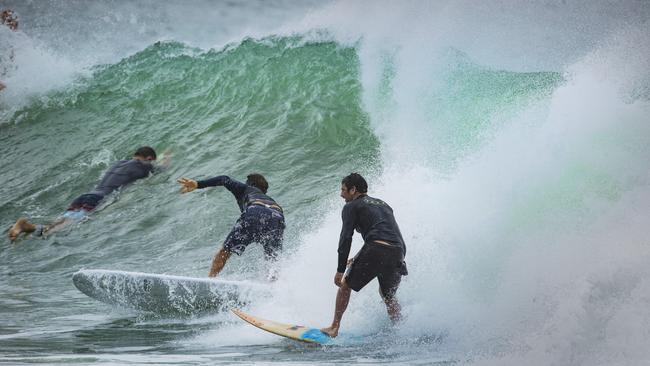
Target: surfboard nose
(82,282)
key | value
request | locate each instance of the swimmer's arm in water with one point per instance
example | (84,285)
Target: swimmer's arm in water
(165,162)
(166,159)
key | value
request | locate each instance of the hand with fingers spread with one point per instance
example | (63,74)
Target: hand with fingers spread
(188,185)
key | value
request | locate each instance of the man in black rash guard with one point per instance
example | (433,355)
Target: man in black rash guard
(261,220)
(381,256)
(121,173)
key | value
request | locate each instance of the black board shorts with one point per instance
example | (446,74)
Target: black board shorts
(381,261)
(86,202)
(258,224)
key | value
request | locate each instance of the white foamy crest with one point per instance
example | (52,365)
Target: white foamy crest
(532,250)
(535,247)
(26,76)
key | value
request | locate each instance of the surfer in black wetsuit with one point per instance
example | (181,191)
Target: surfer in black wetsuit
(261,219)
(381,256)
(121,173)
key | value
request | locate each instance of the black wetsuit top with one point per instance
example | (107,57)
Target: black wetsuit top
(244,194)
(121,173)
(374,220)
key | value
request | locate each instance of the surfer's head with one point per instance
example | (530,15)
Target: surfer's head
(9,18)
(145,153)
(257,180)
(353,186)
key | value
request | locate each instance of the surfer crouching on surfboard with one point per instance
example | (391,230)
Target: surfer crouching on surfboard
(261,220)
(121,173)
(381,256)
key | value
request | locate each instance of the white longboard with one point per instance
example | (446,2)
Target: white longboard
(165,294)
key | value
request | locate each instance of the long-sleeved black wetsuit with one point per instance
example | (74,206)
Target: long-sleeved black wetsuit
(374,220)
(261,219)
(122,173)
(119,174)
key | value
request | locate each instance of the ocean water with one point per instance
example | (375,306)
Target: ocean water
(511,138)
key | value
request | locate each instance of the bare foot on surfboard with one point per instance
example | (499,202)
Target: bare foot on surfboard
(331,331)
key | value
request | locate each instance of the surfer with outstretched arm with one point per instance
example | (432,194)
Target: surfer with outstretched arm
(381,256)
(121,173)
(261,219)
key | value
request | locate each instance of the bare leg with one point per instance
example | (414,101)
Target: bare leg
(219,261)
(342,300)
(57,225)
(394,310)
(272,275)
(21,226)
(272,259)
(393,307)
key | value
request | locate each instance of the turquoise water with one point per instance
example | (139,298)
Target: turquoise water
(521,189)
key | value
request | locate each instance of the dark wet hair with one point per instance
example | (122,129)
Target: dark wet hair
(145,152)
(257,180)
(357,181)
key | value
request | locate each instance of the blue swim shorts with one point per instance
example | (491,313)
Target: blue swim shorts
(75,215)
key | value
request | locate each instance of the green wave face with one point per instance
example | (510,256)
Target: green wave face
(284,107)
(287,109)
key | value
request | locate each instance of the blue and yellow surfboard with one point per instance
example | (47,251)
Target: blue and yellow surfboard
(296,332)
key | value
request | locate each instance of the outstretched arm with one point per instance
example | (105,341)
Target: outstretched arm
(236,187)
